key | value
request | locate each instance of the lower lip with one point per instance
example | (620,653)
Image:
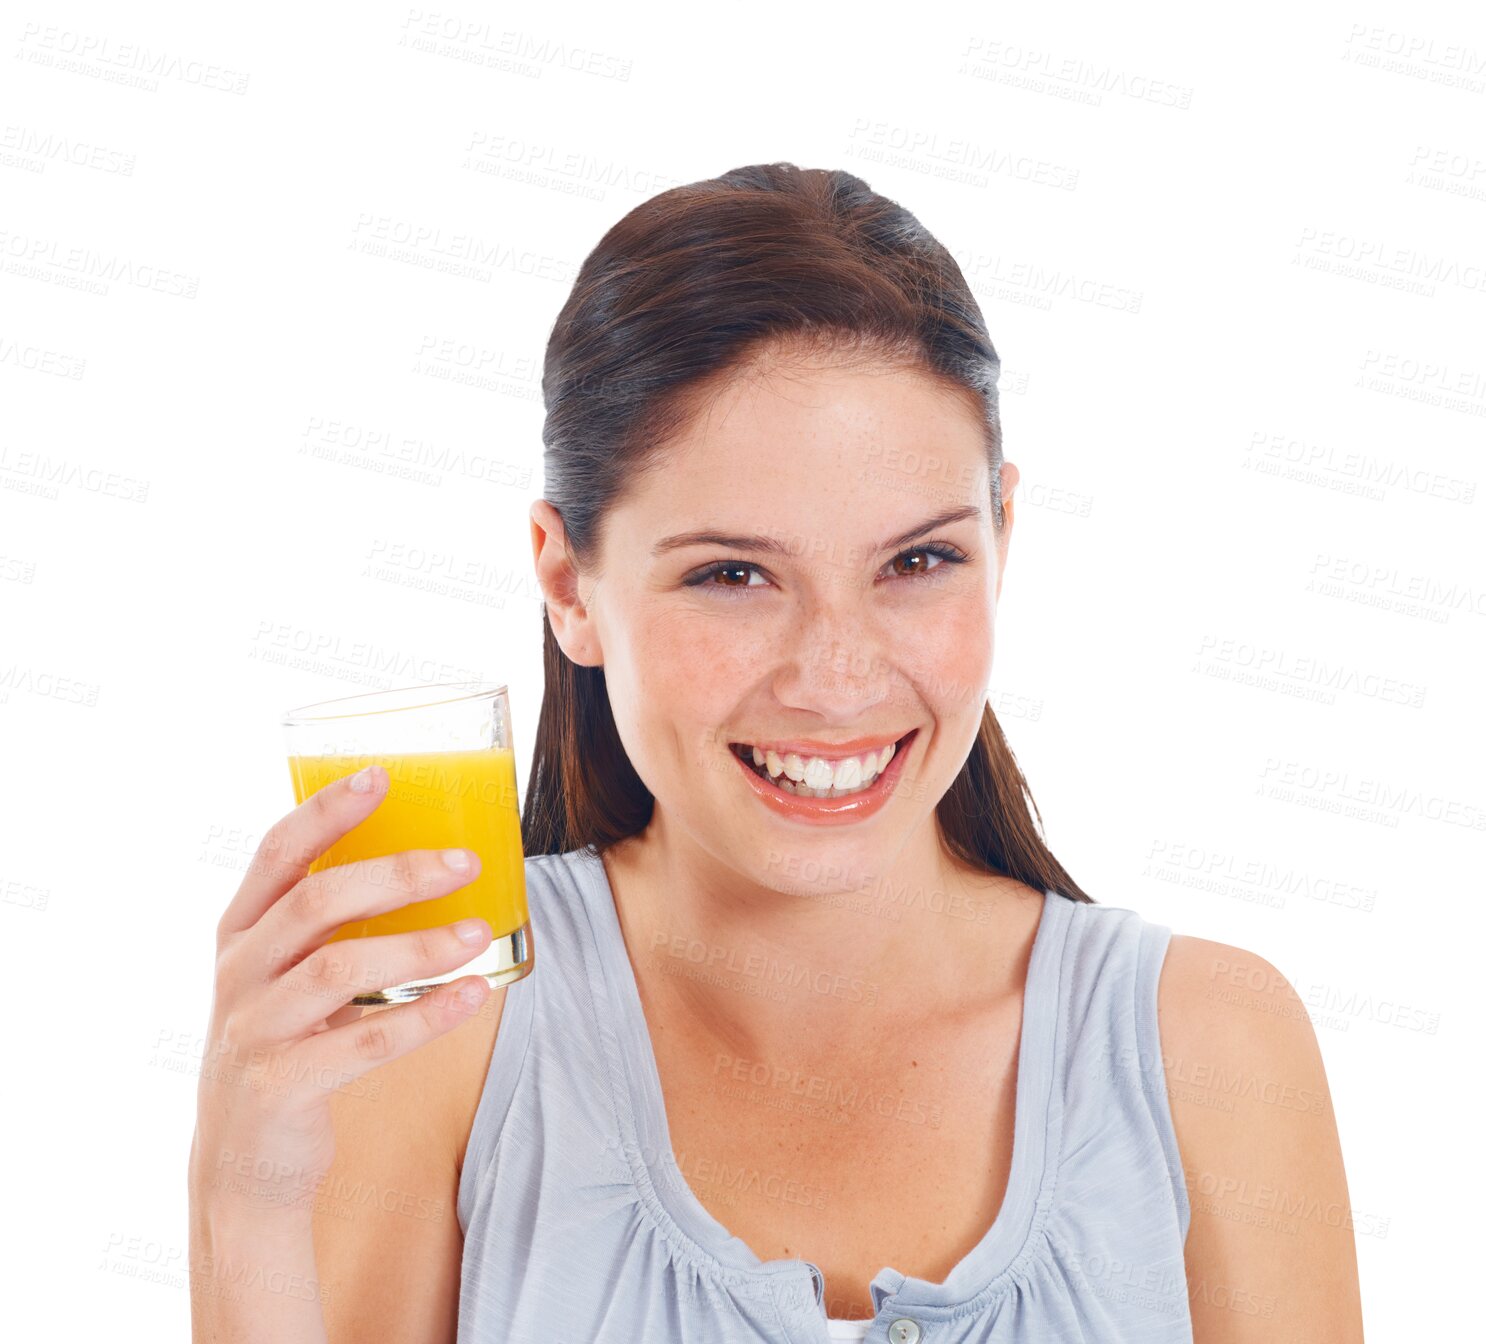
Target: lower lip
(829,811)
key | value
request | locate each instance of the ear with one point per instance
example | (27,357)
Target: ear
(1009,477)
(557,576)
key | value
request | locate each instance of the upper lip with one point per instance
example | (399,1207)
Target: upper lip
(827,751)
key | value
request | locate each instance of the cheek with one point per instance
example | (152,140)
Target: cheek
(684,673)
(950,657)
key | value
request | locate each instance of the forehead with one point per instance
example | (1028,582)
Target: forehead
(849,448)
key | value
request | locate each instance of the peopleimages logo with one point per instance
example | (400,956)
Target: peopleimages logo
(25,143)
(952,157)
(47,259)
(763,970)
(478,42)
(128,63)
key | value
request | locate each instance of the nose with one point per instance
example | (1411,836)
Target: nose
(834,663)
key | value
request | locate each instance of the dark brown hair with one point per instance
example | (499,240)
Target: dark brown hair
(685,291)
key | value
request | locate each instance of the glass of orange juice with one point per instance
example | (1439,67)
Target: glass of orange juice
(452,783)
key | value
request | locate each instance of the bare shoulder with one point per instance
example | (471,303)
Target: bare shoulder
(1207,987)
(434,1091)
(388,1246)
(457,1065)
(1270,1251)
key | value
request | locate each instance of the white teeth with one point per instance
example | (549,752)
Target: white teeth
(848,775)
(815,777)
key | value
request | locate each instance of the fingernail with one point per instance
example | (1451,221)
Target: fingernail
(457,859)
(362,780)
(471,931)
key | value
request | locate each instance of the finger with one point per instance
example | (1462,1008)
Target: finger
(297,839)
(290,1005)
(350,1013)
(346,1053)
(304,920)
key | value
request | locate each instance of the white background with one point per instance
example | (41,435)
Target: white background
(1232,261)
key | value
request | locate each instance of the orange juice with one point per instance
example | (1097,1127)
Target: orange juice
(435,800)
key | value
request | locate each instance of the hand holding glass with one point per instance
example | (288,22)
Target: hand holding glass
(452,784)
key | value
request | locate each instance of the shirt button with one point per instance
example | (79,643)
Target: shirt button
(903,1331)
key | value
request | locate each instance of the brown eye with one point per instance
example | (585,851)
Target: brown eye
(736,576)
(733,576)
(920,565)
(926,559)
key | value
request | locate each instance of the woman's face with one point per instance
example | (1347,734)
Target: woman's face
(830,620)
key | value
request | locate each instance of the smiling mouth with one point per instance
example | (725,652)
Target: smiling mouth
(814,777)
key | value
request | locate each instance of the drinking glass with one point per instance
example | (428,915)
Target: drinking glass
(452,771)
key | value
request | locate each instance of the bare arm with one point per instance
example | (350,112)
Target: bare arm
(1270,1254)
(252,1279)
(284,1041)
(388,1245)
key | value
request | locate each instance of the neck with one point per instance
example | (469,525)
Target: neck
(760,962)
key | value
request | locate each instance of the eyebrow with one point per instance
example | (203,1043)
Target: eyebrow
(774,546)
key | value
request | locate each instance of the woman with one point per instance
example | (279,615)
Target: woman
(822,1041)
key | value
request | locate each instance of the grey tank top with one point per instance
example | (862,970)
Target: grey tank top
(579,1227)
